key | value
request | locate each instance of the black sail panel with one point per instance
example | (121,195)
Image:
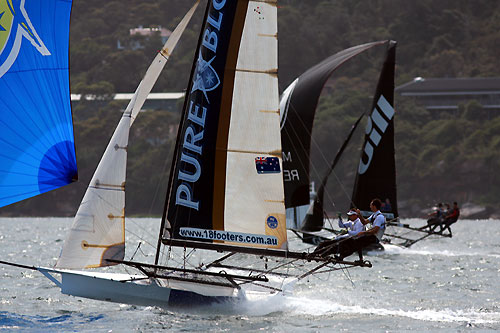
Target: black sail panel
(190,198)
(297,107)
(376,174)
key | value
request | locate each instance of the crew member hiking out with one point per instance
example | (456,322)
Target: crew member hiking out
(450,218)
(442,220)
(347,246)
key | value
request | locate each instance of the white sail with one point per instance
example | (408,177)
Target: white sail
(255,131)
(98,231)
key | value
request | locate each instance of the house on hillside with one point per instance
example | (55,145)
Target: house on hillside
(139,34)
(447,93)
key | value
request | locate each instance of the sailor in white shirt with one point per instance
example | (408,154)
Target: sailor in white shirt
(377,219)
(345,246)
(354,226)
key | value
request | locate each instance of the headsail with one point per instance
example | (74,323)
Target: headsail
(376,176)
(37,148)
(298,106)
(98,231)
(226,185)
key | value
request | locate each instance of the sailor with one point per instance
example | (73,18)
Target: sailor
(354,226)
(435,218)
(344,247)
(386,206)
(450,218)
(377,219)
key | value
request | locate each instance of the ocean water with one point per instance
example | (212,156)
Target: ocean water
(439,284)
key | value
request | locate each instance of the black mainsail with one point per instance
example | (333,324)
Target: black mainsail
(376,175)
(298,105)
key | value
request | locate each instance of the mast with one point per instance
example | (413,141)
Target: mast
(178,139)
(376,176)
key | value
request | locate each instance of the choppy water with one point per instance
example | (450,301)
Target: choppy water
(440,284)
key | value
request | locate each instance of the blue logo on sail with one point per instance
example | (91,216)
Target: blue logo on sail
(205,78)
(15,25)
(272,222)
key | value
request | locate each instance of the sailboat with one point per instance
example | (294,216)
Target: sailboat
(376,171)
(225,191)
(298,104)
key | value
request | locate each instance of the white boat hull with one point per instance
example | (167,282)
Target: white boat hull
(139,289)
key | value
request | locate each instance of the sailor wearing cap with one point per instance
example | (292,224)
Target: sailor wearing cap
(354,226)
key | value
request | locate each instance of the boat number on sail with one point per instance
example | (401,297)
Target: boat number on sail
(206,79)
(229,236)
(374,136)
(267,165)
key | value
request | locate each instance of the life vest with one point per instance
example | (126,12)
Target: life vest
(373,217)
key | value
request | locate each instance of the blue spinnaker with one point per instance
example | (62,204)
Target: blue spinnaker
(37,147)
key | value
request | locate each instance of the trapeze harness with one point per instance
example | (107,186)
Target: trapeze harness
(372,219)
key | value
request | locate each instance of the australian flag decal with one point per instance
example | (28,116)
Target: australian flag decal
(267,165)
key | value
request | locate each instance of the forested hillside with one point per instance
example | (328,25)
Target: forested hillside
(440,156)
